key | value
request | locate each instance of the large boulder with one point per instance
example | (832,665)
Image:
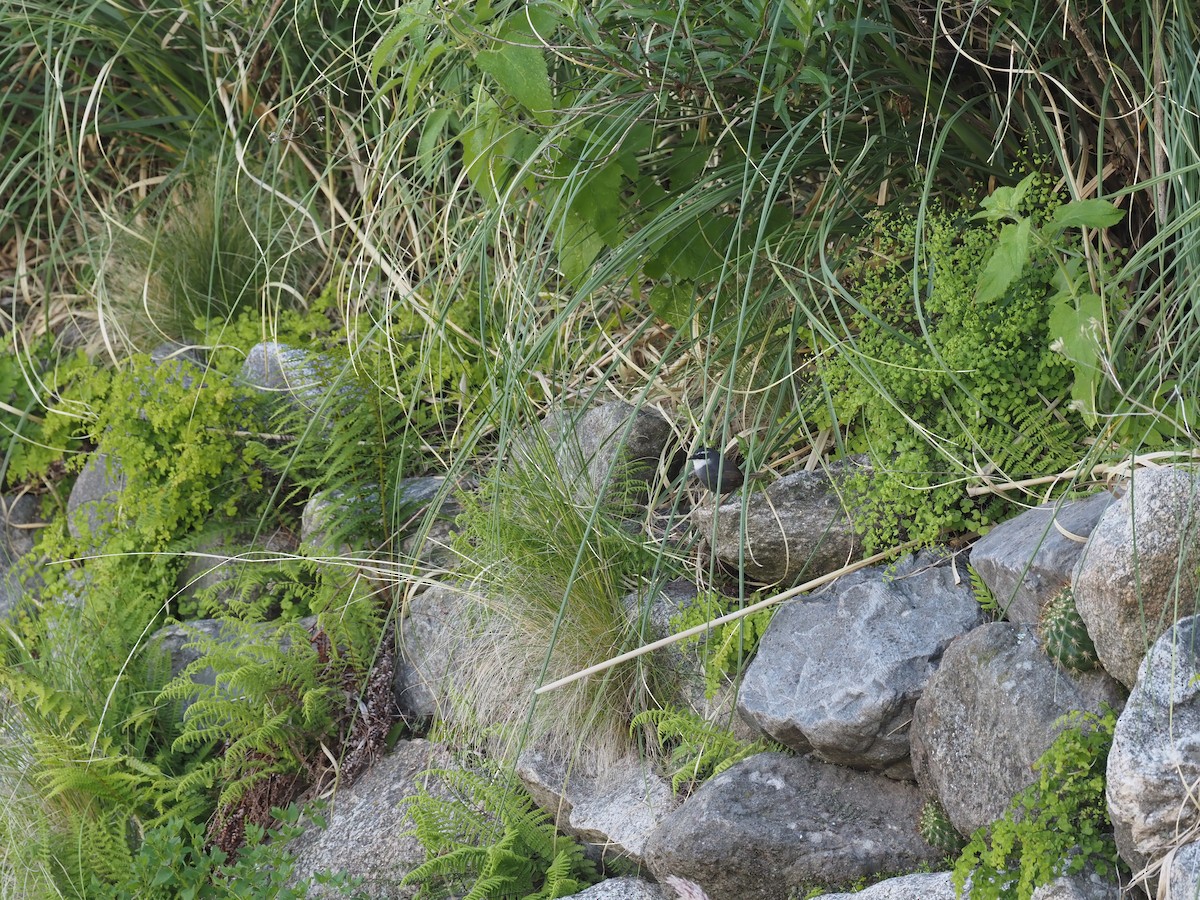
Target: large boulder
(1031,557)
(797,527)
(991,709)
(431,644)
(614,809)
(1154,764)
(625,889)
(1138,572)
(368,832)
(772,824)
(607,444)
(839,673)
(921,886)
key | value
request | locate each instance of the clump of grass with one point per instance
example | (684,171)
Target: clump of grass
(220,245)
(548,572)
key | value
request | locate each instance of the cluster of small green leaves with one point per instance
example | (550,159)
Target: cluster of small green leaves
(174,862)
(728,648)
(700,750)
(490,840)
(948,379)
(1058,825)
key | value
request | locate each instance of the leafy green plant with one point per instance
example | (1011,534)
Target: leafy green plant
(699,750)
(278,693)
(175,862)
(490,840)
(1056,826)
(983,594)
(946,382)
(1079,317)
(728,648)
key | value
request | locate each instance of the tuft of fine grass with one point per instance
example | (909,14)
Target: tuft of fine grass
(548,572)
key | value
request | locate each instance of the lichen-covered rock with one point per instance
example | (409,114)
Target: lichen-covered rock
(840,672)
(796,527)
(1031,557)
(991,709)
(1138,572)
(773,823)
(1154,764)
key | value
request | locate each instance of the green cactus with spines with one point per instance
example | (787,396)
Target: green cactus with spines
(936,830)
(1065,636)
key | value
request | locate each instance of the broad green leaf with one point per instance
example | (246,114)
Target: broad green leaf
(1088,214)
(431,137)
(1004,202)
(409,18)
(598,201)
(491,147)
(578,245)
(521,71)
(1007,262)
(1077,332)
(673,302)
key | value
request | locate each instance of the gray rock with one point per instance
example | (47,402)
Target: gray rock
(92,505)
(20,517)
(1183,872)
(1078,887)
(614,439)
(921,886)
(368,830)
(299,378)
(428,649)
(624,889)
(1028,559)
(796,527)
(614,810)
(841,671)
(1154,764)
(773,823)
(1138,571)
(992,708)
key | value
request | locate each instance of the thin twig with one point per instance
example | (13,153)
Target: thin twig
(731,617)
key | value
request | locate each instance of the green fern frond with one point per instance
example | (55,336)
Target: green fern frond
(699,750)
(492,839)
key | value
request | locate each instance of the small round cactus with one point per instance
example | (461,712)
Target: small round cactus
(1065,636)
(937,831)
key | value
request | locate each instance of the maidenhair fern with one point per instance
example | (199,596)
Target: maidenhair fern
(491,840)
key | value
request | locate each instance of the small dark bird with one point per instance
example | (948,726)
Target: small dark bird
(716,472)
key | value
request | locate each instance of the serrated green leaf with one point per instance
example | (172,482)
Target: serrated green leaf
(1077,331)
(521,71)
(1007,262)
(578,245)
(673,302)
(1088,214)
